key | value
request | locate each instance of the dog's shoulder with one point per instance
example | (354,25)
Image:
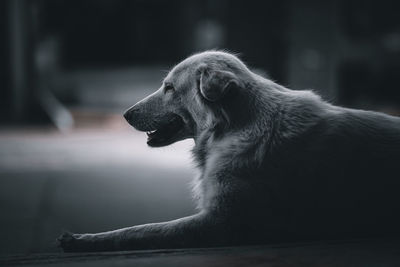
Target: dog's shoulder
(300,111)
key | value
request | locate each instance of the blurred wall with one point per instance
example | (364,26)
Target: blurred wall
(4,63)
(348,51)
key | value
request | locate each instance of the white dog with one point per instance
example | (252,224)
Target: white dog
(275,164)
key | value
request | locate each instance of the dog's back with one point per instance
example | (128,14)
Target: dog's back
(341,176)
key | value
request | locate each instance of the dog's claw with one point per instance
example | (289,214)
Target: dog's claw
(67,241)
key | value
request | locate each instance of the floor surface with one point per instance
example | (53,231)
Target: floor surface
(355,253)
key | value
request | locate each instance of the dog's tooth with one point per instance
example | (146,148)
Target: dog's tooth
(150,133)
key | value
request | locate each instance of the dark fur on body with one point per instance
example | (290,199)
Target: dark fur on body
(274,164)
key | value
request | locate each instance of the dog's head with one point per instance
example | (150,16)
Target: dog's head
(188,100)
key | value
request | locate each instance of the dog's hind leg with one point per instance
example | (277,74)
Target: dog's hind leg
(200,230)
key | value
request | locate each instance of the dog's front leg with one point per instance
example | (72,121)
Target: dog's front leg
(203,229)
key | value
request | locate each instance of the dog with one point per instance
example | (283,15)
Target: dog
(275,164)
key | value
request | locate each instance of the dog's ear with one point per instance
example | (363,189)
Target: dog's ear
(214,84)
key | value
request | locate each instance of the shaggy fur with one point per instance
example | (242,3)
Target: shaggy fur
(274,164)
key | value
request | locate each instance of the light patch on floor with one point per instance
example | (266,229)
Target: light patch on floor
(97,177)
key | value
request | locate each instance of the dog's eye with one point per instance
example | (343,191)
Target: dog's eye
(168,88)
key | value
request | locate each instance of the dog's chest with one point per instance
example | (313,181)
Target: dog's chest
(203,148)
(208,156)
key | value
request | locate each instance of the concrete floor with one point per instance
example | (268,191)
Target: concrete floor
(354,254)
(97,177)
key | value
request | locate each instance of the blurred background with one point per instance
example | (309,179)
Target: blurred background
(68,70)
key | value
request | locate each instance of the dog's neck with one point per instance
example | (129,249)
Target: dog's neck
(258,120)
(252,115)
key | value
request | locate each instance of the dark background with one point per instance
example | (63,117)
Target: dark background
(69,69)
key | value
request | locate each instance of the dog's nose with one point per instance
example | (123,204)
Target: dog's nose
(127,115)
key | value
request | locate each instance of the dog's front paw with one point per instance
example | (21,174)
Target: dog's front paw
(70,242)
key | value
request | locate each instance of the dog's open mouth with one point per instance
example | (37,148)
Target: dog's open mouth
(167,133)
